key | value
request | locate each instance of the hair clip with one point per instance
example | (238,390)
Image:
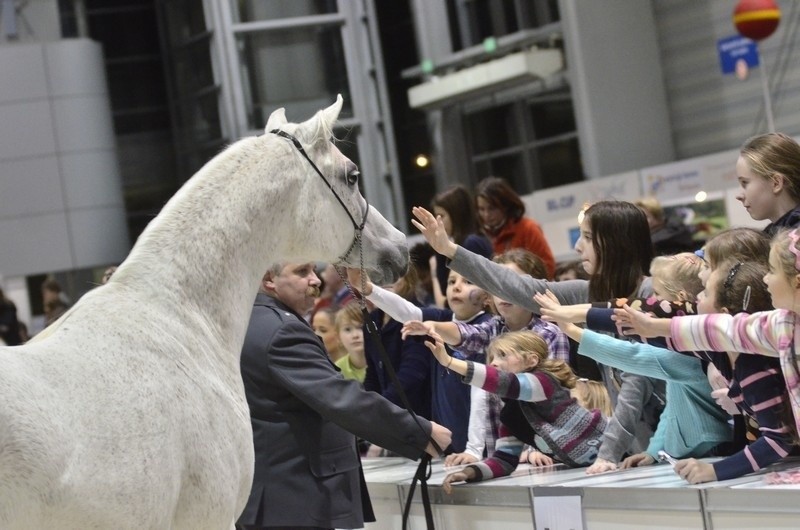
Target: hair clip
(746,299)
(731,275)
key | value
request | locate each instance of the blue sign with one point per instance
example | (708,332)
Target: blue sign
(735,49)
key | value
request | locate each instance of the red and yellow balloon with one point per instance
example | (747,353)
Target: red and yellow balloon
(756,19)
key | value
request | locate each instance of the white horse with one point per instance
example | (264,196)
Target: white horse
(129,412)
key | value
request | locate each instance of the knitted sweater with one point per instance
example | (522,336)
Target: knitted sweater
(475,338)
(540,412)
(692,424)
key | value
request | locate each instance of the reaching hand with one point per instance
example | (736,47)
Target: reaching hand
(634,322)
(601,466)
(553,311)
(458,459)
(436,345)
(459,476)
(539,459)
(720,395)
(433,229)
(694,471)
(637,460)
(354,277)
(415,327)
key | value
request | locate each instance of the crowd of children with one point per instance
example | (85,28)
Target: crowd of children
(696,350)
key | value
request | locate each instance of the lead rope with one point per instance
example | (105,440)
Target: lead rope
(425,467)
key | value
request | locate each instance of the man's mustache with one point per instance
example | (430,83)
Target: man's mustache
(313,291)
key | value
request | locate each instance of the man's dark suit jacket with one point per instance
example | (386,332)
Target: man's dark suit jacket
(305,416)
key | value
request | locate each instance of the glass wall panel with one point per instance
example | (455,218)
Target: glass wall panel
(301,69)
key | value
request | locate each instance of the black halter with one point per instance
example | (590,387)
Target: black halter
(359,228)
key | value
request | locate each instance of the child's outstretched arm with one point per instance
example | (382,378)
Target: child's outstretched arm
(563,315)
(436,345)
(432,228)
(637,323)
(394,305)
(447,330)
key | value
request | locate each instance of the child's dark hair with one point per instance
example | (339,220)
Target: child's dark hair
(460,206)
(529,344)
(740,288)
(741,243)
(622,247)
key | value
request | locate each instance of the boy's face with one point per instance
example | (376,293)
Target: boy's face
(351,335)
(464,298)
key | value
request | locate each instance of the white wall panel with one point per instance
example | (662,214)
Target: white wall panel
(26,129)
(99,236)
(83,123)
(75,67)
(91,178)
(27,83)
(30,186)
(34,244)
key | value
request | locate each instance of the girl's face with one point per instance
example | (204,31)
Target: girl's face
(464,298)
(660,291)
(707,299)
(705,272)
(490,215)
(757,194)
(322,325)
(585,248)
(507,310)
(446,220)
(352,336)
(781,289)
(511,361)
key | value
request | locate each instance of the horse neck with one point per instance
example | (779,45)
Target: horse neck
(203,257)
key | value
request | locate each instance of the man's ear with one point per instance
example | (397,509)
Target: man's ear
(797,281)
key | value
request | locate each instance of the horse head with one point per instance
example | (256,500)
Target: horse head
(335,203)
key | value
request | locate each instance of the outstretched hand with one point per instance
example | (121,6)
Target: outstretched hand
(415,327)
(553,311)
(563,315)
(436,345)
(633,322)
(354,276)
(432,228)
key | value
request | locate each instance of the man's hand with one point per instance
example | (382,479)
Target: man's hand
(442,436)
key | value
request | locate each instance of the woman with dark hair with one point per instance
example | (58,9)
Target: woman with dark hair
(456,208)
(502,215)
(615,250)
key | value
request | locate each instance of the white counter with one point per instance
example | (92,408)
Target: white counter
(648,497)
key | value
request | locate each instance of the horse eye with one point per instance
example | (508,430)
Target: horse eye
(352,177)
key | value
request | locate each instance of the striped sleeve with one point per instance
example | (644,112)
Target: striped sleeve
(525,386)
(763,333)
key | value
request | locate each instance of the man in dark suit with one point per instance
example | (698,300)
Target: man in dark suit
(305,415)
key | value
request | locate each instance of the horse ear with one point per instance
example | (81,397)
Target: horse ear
(331,114)
(276,120)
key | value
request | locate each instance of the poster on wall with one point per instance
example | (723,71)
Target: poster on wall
(704,219)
